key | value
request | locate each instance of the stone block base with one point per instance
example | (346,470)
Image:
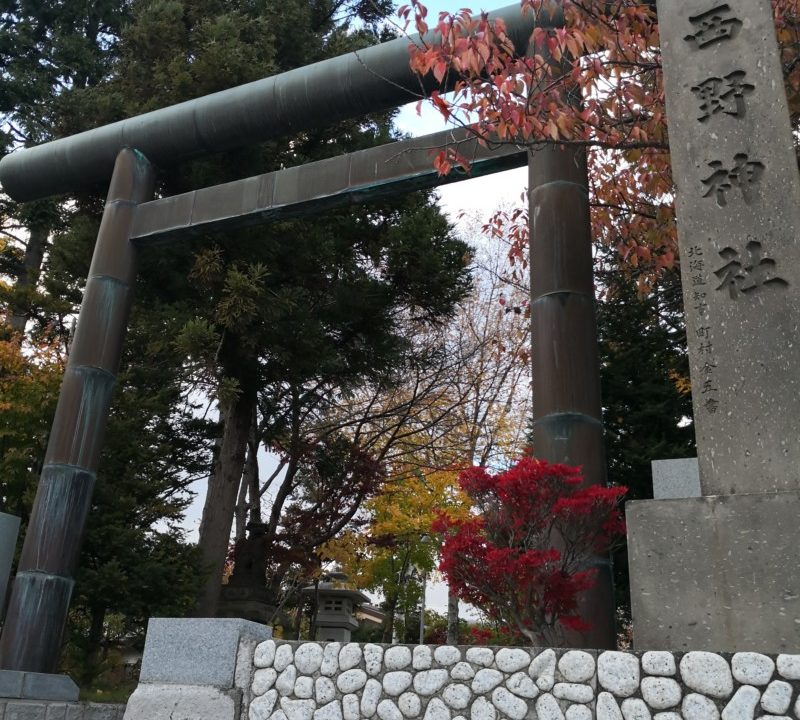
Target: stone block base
(52,710)
(716,573)
(196,669)
(37,686)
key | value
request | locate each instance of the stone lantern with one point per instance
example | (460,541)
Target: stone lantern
(336,604)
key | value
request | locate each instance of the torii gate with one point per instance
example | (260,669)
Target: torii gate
(566,391)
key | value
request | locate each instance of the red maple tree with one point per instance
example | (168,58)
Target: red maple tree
(523,558)
(592,77)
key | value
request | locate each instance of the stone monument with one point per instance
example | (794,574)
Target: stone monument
(246,594)
(720,571)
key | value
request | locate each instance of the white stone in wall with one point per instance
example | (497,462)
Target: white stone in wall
(422,657)
(574,692)
(387,710)
(547,708)
(462,671)
(330,659)
(743,704)
(397,657)
(330,711)
(285,682)
(521,684)
(396,682)
(457,696)
(308,658)
(459,717)
(351,681)
(263,680)
(298,709)
(699,707)
(261,707)
(370,697)
(635,709)
(543,670)
(618,672)
(607,708)
(436,710)
(429,682)
(797,707)
(410,704)
(752,668)
(304,688)
(480,656)
(265,654)
(283,657)
(658,662)
(661,693)
(373,658)
(350,708)
(777,697)
(278,715)
(325,690)
(349,656)
(789,666)
(576,666)
(512,659)
(579,712)
(667,716)
(447,655)
(486,679)
(482,709)
(707,673)
(508,704)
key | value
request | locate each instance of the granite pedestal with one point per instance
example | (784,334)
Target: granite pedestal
(716,572)
(196,669)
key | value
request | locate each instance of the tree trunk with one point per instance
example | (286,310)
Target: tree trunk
(223,486)
(93,646)
(452,617)
(28,276)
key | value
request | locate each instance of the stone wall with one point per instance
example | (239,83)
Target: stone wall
(331,681)
(53,710)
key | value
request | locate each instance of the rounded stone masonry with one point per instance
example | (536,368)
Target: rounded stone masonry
(543,669)
(707,673)
(751,668)
(618,672)
(743,704)
(635,709)
(777,697)
(329,681)
(699,707)
(510,660)
(661,693)
(397,657)
(576,666)
(659,663)
(447,655)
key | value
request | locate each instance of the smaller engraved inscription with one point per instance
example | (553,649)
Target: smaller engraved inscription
(713,25)
(725,95)
(745,274)
(744,174)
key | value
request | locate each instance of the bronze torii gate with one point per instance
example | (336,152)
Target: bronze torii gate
(567,410)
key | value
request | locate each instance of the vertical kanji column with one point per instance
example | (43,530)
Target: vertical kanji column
(37,612)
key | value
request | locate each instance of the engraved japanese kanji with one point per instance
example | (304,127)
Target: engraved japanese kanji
(745,274)
(744,174)
(713,25)
(725,95)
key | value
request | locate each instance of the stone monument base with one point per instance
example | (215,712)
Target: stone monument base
(716,573)
(22,685)
(196,669)
(245,602)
